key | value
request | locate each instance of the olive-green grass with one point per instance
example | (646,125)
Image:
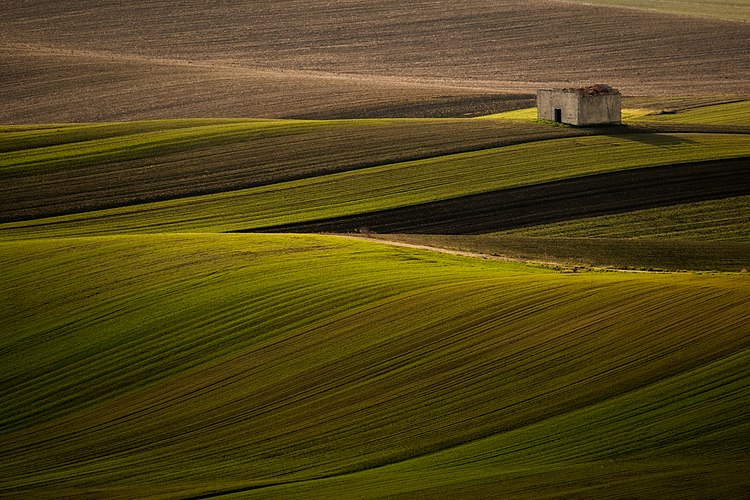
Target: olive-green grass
(67,169)
(183,365)
(147,353)
(392,185)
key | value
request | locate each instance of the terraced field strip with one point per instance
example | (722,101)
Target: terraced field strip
(676,103)
(715,220)
(582,251)
(183,365)
(734,113)
(395,185)
(16,138)
(54,171)
(671,115)
(73,147)
(579,197)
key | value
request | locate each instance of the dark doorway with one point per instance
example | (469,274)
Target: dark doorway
(558,115)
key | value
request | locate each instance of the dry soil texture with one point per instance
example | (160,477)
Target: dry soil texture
(89,60)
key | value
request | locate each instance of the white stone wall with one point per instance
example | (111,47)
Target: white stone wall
(579,109)
(566,102)
(599,109)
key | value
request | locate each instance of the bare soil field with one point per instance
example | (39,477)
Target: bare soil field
(720,9)
(587,196)
(92,60)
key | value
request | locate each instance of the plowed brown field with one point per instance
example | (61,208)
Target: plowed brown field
(92,60)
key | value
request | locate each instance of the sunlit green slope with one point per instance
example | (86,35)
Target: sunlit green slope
(394,185)
(732,113)
(725,220)
(181,365)
(59,169)
(705,234)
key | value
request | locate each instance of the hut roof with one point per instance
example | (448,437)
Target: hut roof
(598,89)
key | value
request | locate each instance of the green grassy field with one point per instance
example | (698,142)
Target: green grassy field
(393,185)
(57,170)
(735,113)
(717,220)
(145,355)
(178,365)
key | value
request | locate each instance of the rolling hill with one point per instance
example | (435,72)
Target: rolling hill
(144,354)
(191,366)
(515,308)
(56,170)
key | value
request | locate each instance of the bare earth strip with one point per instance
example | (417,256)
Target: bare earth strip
(92,60)
(578,197)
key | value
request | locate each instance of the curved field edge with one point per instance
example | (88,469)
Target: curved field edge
(15,138)
(178,365)
(86,167)
(714,220)
(395,185)
(583,252)
(569,199)
(55,146)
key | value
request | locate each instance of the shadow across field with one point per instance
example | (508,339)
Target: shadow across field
(589,196)
(657,139)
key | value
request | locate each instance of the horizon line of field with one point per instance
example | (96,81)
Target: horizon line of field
(555,201)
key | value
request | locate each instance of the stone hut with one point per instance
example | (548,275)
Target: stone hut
(595,105)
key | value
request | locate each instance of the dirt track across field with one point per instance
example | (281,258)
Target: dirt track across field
(589,196)
(92,60)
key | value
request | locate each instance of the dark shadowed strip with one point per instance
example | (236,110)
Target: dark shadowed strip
(589,196)
(448,106)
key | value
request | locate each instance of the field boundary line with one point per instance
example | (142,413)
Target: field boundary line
(479,255)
